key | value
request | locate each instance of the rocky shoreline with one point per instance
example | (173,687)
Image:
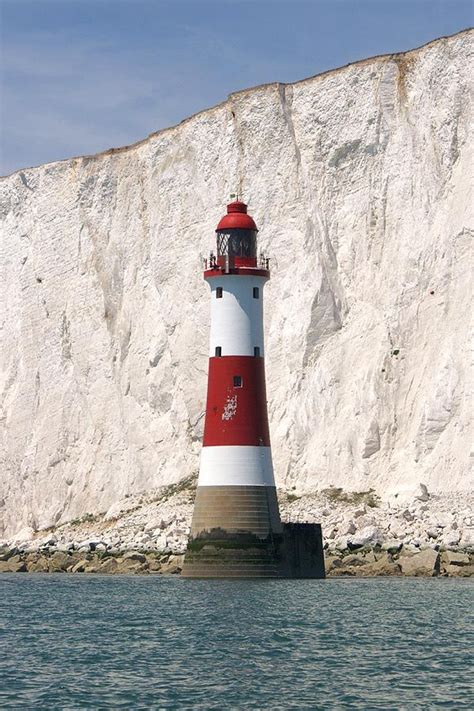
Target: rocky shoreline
(427,534)
(54,561)
(364,562)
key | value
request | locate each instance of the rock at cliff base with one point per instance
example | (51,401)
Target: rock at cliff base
(59,562)
(424,563)
(455,558)
(109,566)
(135,556)
(40,565)
(80,566)
(173,565)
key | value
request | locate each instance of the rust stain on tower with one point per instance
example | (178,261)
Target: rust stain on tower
(236,529)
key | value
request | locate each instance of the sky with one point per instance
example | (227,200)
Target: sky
(81,76)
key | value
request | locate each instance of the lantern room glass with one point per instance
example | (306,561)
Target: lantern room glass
(237,243)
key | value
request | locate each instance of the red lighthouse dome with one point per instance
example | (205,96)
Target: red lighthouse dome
(236,239)
(236,218)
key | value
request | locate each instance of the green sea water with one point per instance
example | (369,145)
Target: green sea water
(96,642)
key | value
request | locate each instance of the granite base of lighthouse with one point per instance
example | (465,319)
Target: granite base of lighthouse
(237,533)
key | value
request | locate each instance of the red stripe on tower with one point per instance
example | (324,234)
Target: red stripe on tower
(236,412)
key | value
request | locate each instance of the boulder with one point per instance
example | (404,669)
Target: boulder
(366,521)
(450,537)
(40,565)
(91,544)
(65,547)
(341,544)
(353,560)
(454,558)
(391,546)
(368,535)
(135,556)
(408,549)
(384,566)
(424,563)
(128,566)
(451,571)
(331,561)
(467,538)
(365,565)
(15,564)
(397,530)
(173,566)
(154,566)
(80,566)
(339,571)
(465,571)
(381,567)
(108,566)
(93,566)
(348,528)
(59,562)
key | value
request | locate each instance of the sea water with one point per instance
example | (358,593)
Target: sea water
(129,642)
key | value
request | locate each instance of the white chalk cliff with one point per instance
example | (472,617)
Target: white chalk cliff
(360,182)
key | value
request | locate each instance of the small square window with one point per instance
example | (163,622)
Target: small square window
(218,351)
(237,381)
(256,351)
(256,292)
(218,292)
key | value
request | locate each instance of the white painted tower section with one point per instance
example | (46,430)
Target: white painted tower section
(237,317)
(237,465)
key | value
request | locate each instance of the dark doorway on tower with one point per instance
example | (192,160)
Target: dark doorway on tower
(237,381)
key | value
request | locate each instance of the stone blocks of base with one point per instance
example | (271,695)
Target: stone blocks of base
(296,552)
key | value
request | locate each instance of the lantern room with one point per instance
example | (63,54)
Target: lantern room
(236,238)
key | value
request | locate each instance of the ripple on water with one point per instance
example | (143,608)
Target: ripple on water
(152,642)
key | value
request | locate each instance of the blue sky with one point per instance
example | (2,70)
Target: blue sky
(80,76)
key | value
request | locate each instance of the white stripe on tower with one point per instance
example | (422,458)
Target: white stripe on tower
(236,466)
(237,316)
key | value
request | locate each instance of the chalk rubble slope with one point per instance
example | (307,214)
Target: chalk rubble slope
(359,180)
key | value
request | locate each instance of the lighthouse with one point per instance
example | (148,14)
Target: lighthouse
(236,528)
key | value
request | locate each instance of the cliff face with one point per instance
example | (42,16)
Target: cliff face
(359,180)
